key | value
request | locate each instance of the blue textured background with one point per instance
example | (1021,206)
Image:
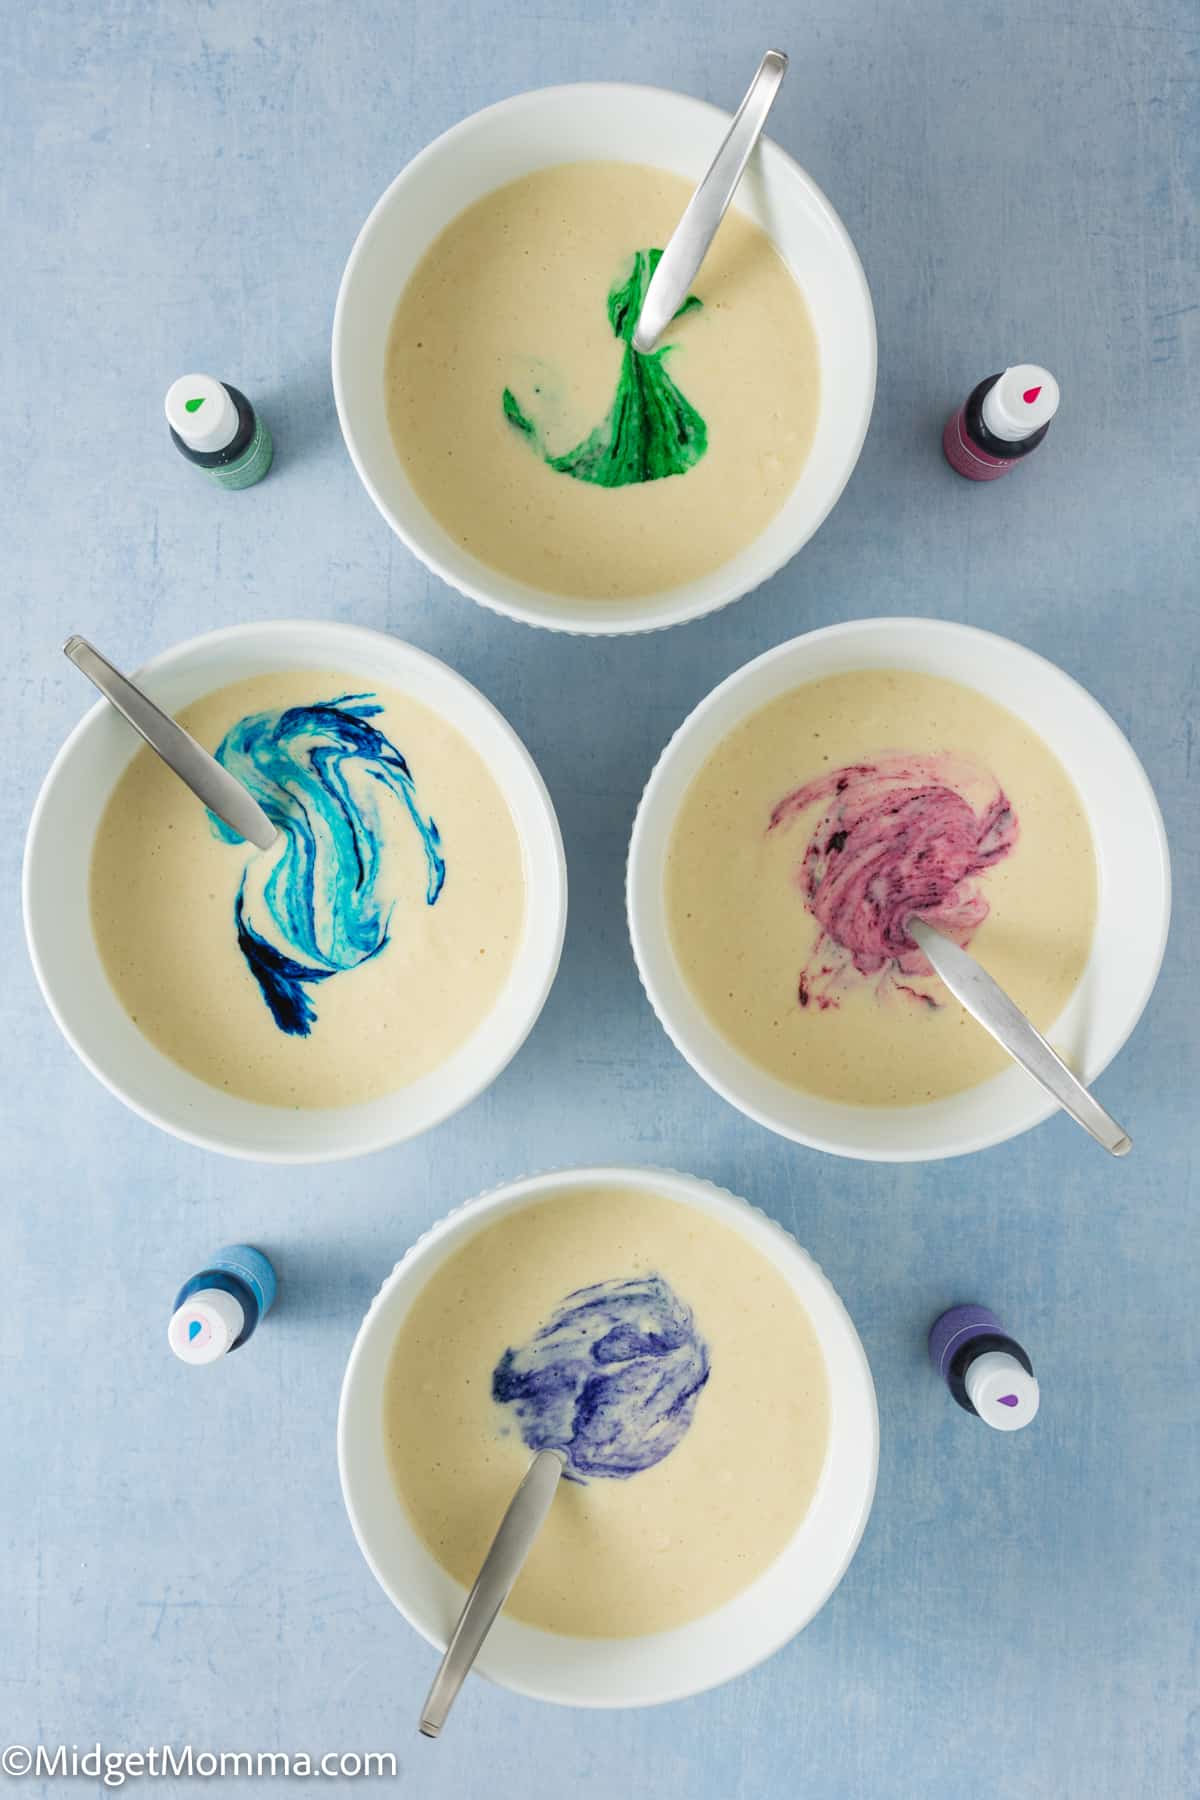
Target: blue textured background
(182,183)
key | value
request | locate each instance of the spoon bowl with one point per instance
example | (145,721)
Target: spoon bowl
(68,965)
(1133,906)
(614,1671)
(595,122)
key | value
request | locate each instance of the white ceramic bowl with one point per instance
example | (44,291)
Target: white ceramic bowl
(590,122)
(635,1671)
(1134,879)
(77,991)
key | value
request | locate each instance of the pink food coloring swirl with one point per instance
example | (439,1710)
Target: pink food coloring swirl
(898,835)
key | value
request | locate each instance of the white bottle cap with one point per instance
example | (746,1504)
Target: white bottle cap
(1023,400)
(1002,1391)
(201,412)
(209,1323)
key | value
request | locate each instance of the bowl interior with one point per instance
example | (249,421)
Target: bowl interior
(588,123)
(1133,902)
(73,979)
(616,1671)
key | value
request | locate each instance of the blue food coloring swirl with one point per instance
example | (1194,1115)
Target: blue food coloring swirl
(612,1379)
(313,908)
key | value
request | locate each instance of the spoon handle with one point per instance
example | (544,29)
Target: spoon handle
(688,245)
(511,1545)
(987,1002)
(219,790)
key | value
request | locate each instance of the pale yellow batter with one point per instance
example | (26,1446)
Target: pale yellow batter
(744,935)
(513,294)
(617,1557)
(163,891)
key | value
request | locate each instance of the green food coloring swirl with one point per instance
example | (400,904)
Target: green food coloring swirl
(651,429)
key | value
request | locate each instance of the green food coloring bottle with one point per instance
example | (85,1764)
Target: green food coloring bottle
(215,427)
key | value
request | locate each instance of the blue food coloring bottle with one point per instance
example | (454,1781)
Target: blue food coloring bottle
(218,1309)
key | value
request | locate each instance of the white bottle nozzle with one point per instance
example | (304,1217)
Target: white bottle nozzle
(1023,400)
(206,1326)
(1002,1391)
(201,412)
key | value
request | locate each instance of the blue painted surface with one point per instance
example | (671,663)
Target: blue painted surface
(183,183)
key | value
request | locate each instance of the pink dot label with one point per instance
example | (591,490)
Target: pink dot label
(1029,396)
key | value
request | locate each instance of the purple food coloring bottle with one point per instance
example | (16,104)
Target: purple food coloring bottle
(986,1370)
(1002,420)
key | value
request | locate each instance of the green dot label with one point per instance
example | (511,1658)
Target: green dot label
(193,405)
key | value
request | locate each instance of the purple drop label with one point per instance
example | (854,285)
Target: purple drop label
(1008,1400)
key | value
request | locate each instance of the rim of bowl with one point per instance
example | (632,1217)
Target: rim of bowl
(675,1184)
(379,1140)
(640,852)
(682,611)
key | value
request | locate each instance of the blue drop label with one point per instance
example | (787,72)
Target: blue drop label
(194,1329)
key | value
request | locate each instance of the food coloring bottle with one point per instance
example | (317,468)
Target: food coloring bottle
(1004,418)
(215,427)
(218,1309)
(986,1370)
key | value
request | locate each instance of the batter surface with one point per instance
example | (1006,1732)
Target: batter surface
(813,833)
(538,437)
(362,948)
(664,1354)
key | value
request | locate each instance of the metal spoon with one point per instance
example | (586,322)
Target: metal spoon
(688,245)
(986,1001)
(503,1563)
(220,791)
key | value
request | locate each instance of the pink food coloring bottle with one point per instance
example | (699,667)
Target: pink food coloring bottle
(1002,420)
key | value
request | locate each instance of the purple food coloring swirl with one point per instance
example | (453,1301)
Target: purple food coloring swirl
(611,1380)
